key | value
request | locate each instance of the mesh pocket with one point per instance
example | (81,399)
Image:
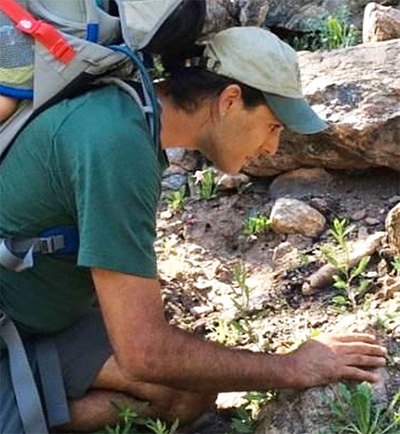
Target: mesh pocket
(16,55)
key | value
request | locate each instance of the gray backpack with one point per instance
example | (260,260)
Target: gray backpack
(84,41)
(48,50)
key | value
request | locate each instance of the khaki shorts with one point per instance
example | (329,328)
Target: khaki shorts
(82,350)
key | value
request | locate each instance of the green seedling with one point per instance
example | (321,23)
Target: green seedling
(240,288)
(176,200)
(244,421)
(348,280)
(205,179)
(396,264)
(241,300)
(328,33)
(225,333)
(159,427)
(130,422)
(356,413)
(256,224)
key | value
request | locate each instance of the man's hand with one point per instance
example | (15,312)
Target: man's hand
(332,358)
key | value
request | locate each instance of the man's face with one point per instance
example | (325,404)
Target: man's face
(236,135)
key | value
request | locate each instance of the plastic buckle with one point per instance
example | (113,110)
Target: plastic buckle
(49,37)
(46,245)
(3,318)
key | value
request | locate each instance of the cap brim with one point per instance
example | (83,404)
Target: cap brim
(295,113)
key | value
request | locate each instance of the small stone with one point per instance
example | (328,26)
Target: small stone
(394,199)
(188,160)
(372,221)
(292,216)
(359,215)
(362,232)
(229,182)
(199,311)
(392,225)
(166,215)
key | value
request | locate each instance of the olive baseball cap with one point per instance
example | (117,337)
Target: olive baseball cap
(257,58)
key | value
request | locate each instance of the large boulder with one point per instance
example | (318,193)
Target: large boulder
(381,23)
(356,90)
(291,15)
(222,14)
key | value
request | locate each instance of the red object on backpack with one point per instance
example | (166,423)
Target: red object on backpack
(44,32)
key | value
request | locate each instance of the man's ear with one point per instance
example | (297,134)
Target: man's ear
(229,98)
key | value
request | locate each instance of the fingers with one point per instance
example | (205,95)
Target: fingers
(361,360)
(357,374)
(364,348)
(356,337)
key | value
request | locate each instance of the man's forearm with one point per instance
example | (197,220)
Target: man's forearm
(179,359)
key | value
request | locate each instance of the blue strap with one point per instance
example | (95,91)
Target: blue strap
(13,92)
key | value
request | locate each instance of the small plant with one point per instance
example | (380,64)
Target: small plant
(356,413)
(240,288)
(130,422)
(256,224)
(396,264)
(328,33)
(205,179)
(349,280)
(244,421)
(176,200)
(159,427)
(225,333)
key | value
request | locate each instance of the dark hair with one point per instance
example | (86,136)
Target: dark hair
(189,87)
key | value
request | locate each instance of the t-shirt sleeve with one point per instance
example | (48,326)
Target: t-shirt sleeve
(114,173)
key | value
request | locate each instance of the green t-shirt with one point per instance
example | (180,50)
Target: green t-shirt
(87,162)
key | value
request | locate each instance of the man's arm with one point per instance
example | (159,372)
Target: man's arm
(148,349)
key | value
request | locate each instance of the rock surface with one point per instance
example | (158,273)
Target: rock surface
(222,14)
(392,224)
(357,91)
(381,23)
(291,216)
(290,14)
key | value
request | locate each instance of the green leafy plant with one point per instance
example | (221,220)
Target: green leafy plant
(256,224)
(396,264)
(328,33)
(244,421)
(159,427)
(349,280)
(130,422)
(356,413)
(240,288)
(176,200)
(205,179)
(225,333)
(241,300)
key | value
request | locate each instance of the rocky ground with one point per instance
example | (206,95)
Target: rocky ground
(203,253)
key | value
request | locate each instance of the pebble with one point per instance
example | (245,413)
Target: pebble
(394,199)
(201,310)
(372,221)
(166,215)
(359,215)
(362,232)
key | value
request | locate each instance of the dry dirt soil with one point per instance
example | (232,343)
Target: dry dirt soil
(199,247)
